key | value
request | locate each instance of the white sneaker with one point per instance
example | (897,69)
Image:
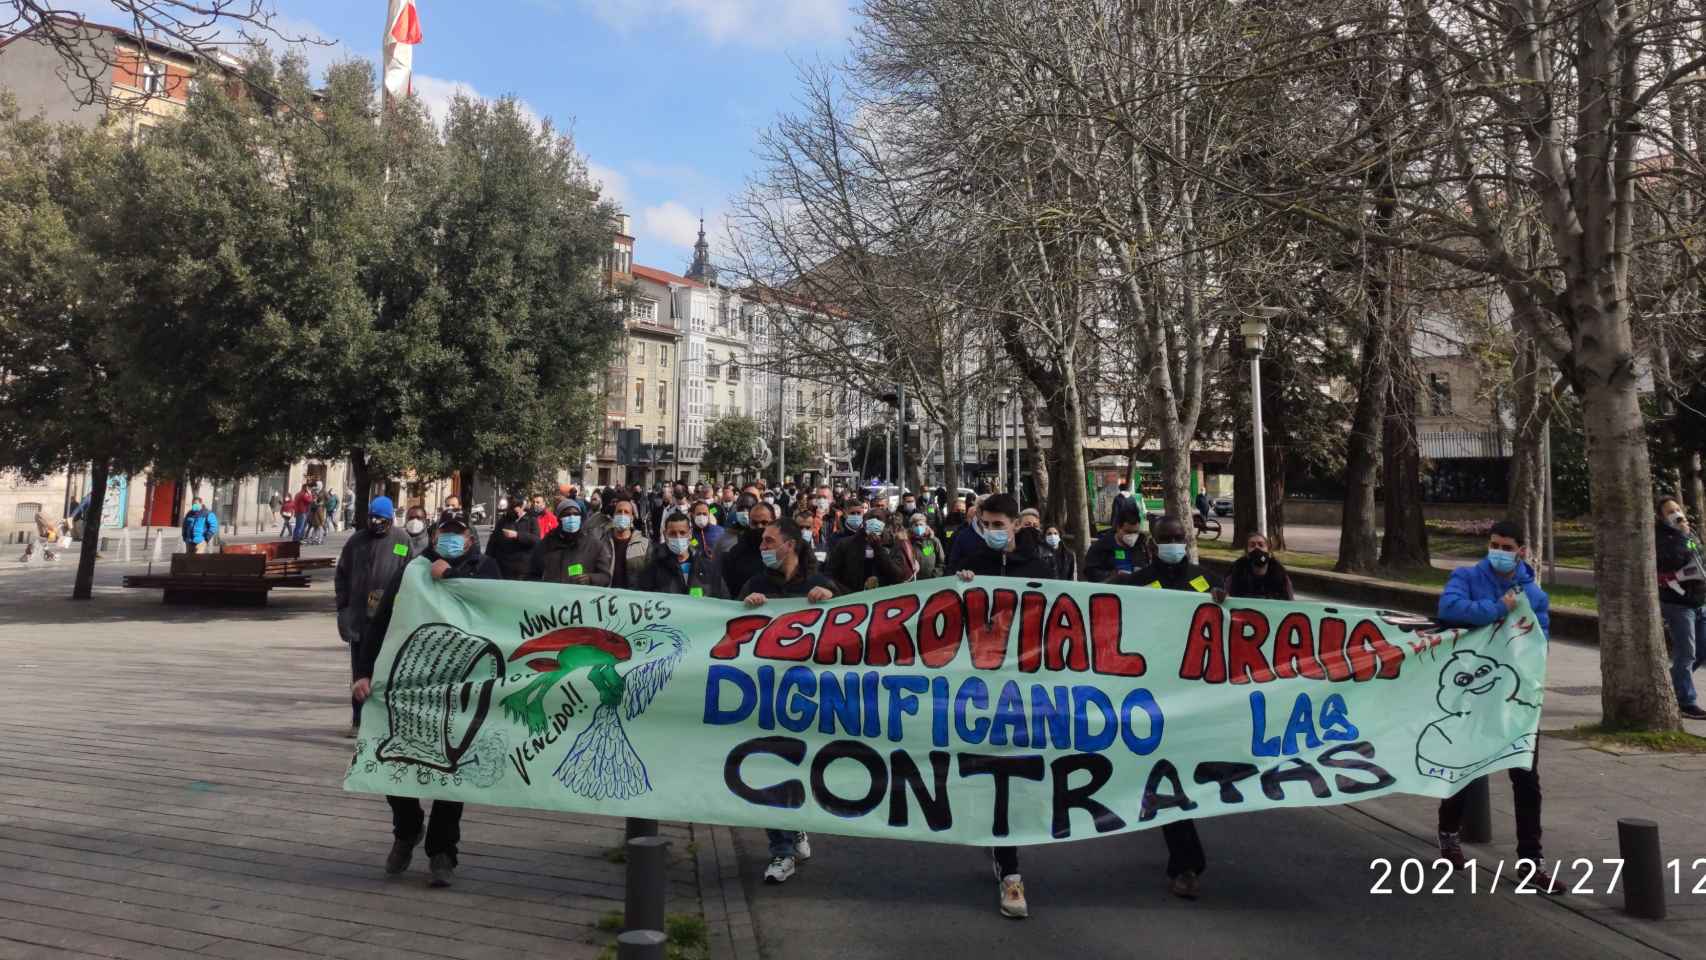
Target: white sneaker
(780,869)
(1013,897)
(802,847)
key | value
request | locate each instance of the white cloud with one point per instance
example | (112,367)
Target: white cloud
(436,93)
(670,223)
(613,184)
(748,22)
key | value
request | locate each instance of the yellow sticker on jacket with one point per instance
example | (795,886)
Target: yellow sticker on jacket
(574,570)
(1155,584)
(1201,584)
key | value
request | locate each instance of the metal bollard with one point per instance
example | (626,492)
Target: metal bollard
(641,945)
(1643,868)
(1477,812)
(647,884)
(640,827)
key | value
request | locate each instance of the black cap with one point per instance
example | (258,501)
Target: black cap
(453,521)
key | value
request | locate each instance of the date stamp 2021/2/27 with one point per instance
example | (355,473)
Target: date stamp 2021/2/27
(1412,876)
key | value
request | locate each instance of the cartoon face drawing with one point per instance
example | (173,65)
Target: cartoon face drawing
(1471,681)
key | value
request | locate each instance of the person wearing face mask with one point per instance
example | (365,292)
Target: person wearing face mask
(630,551)
(572,554)
(1682,601)
(908,506)
(545,519)
(415,527)
(1065,561)
(921,552)
(1477,596)
(788,569)
(867,560)
(453,556)
(677,567)
(1258,574)
(1173,570)
(743,559)
(514,536)
(368,561)
(201,525)
(852,524)
(1004,549)
(1119,550)
(706,533)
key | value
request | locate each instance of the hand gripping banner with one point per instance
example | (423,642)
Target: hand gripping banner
(1003,711)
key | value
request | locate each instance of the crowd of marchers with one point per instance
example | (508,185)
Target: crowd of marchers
(757,543)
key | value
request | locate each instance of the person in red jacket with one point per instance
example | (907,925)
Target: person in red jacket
(547,519)
(303,503)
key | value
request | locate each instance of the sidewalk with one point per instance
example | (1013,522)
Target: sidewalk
(1325,542)
(174,791)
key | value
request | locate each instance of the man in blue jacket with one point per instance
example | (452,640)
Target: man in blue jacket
(200,527)
(1475,597)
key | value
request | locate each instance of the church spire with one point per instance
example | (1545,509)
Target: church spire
(701,269)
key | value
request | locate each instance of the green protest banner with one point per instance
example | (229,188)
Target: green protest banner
(1000,711)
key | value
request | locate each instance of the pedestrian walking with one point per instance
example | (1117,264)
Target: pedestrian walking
(866,561)
(743,558)
(1119,550)
(368,561)
(1173,570)
(572,554)
(1065,561)
(1476,596)
(1682,601)
(200,527)
(453,556)
(677,567)
(300,507)
(630,550)
(789,569)
(415,527)
(920,552)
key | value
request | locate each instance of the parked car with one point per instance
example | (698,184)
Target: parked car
(1222,506)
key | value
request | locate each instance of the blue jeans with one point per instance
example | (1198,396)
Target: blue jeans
(782,842)
(301,527)
(1687,628)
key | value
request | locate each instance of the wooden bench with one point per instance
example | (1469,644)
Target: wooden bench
(234,579)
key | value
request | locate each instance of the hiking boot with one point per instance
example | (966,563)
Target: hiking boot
(780,869)
(1451,850)
(802,847)
(443,869)
(402,851)
(1013,897)
(1186,886)
(1693,712)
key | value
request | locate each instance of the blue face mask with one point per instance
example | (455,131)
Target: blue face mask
(874,527)
(1504,561)
(572,524)
(771,558)
(740,518)
(622,521)
(451,545)
(997,539)
(1053,540)
(855,521)
(679,545)
(1170,552)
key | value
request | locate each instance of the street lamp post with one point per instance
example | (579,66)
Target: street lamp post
(1255,331)
(1001,443)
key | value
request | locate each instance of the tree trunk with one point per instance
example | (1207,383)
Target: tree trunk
(1405,545)
(951,452)
(1527,481)
(1034,440)
(1694,485)
(1069,438)
(1636,689)
(83,587)
(363,491)
(1358,549)
(1053,505)
(1176,479)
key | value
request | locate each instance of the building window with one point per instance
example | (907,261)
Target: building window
(646,311)
(639,396)
(153,76)
(1439,395)
(733,408)
(663,354)
(663,396)
(640,352)
(660,435)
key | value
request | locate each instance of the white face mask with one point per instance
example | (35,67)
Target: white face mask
(1674,519)
(1129,539)
(415,527)
(702,520)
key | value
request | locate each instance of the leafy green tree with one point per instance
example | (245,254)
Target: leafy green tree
(732,448)
(802,453)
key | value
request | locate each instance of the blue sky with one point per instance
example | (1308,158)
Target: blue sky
(665,98)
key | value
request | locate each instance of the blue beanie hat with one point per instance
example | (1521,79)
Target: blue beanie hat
(382,507)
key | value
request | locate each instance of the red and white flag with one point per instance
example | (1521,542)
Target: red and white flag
(402,32)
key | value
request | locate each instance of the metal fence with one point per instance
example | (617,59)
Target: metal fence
(1464,445)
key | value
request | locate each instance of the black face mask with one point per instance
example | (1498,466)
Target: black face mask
(1258,558)
(956,517)
(379,527)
